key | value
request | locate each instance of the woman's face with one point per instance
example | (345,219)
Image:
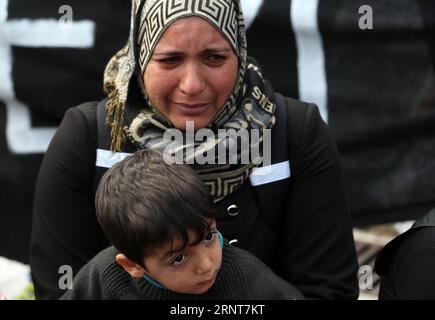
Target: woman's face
(191,73)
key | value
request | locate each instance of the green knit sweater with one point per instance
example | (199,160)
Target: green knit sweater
(242,277)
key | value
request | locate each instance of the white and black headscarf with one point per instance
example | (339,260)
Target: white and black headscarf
(145,126)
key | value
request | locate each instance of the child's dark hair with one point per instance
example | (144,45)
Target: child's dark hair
(142,202)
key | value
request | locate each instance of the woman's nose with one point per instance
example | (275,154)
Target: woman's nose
(192,81)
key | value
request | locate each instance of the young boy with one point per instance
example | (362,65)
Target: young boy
(160,220)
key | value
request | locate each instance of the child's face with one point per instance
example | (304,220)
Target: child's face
(192,269)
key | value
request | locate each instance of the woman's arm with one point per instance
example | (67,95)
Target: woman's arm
(319,256)
(65,231)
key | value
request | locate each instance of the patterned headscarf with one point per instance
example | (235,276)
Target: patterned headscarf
(149,20)
(158,15)
(145,128)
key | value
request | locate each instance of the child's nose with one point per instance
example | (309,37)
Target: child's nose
(204,264)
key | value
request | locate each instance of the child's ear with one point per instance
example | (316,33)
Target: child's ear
(135,270)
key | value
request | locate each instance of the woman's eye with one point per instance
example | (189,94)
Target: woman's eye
(170,61)
(178,260)
(216,59)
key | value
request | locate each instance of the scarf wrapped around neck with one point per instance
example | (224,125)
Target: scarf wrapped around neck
(249,106)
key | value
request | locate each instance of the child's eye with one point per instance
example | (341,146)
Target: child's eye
(210,237)
(178,260)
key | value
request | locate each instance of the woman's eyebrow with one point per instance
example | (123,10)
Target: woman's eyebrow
(177,53)
(217,50)
(167,53)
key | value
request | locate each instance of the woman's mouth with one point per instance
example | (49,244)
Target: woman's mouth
(191,108)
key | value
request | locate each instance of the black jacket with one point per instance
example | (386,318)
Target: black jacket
(300,227)
(406,264)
